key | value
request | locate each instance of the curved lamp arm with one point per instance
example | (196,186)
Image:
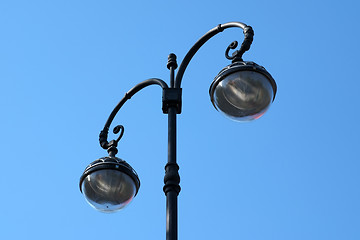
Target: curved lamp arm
(111,146)
(248,32)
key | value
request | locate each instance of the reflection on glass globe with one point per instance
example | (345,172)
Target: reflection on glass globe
(243,93)
(109,184)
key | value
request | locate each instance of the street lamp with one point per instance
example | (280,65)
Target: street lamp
(242,91)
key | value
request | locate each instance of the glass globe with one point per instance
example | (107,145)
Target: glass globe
(109,184)
(243,91)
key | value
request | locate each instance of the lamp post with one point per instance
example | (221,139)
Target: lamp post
(242,91)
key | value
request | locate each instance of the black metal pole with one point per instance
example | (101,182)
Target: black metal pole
(172,106)
(172,178)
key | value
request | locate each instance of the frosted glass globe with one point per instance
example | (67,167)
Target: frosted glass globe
(242,93)
(109,184)
(108,190)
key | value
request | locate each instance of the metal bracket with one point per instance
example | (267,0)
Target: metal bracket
(171,98)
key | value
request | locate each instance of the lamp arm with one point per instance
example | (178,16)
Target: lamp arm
(104,133)
(248,32)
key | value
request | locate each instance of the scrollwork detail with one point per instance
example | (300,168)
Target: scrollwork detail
(119,129)
(232,45)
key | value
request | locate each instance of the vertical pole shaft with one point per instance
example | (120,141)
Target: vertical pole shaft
(172,178)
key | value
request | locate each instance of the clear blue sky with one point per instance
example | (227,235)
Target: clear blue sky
(291,175)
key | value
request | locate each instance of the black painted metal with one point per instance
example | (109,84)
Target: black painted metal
(171,179)
(172,65)
(172,98)
(104,133)
(172,106)
(221,27)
